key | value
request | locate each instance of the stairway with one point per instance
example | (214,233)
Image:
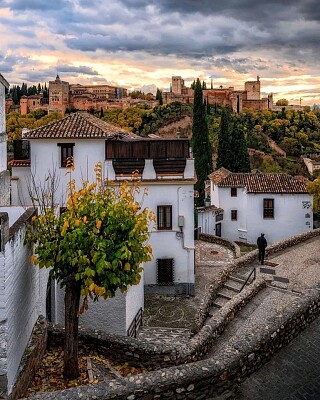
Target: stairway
(162,335)
(229,289)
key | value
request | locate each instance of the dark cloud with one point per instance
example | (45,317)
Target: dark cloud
(82,69)
(37,5)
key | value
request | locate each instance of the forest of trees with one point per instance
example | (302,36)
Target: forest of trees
(16,92)
(296,132)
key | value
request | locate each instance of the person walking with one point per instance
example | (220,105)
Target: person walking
(262,244)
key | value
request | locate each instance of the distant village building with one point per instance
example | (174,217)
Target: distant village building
(250,97)
(245,204)
(63,96)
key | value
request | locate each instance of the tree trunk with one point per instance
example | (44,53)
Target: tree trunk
(71,304)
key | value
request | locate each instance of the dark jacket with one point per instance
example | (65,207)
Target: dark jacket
(262,242)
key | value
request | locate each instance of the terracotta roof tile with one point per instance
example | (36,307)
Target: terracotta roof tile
(217,176)
(262,183)
(77,126)
(19,163)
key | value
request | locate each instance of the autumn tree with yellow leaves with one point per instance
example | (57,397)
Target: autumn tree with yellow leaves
(92,249)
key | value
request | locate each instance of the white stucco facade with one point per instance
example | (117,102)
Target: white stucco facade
(4,174)
(177,244)
(292,215)
(22,295)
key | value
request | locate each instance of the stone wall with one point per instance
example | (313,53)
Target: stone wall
(206,378)
(240,262)
(184,377)
(221,241)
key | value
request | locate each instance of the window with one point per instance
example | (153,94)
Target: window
(234,215)
(165,271)
(66,152)
(268,208)
(233,192)
(164,217)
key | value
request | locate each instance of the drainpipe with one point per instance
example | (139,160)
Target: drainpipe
(180,235)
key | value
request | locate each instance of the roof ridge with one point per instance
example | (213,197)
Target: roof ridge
(94,119)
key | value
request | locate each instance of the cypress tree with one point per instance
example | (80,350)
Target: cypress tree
(240,160)
(201,145)
(224,139)
(159,97)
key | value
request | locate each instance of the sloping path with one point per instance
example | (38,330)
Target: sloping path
(257,316)
(173,316)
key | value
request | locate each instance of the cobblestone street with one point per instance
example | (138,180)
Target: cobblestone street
(292,374)
(178,312)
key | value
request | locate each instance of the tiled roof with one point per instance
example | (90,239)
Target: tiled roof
(217,176)
(262,183)
(19,163)
(77,126)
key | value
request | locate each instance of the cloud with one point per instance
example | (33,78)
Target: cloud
(135,40)
(82,69)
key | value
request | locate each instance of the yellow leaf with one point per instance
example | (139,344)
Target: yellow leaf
(127,267)
(77,222)
(98,224)
(91,287)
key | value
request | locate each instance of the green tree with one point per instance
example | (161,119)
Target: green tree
(239,160)
(282,102)
(159,97)
(224,139)
(94,248)
(201,145)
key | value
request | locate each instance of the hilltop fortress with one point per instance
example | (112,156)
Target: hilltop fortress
(225,96)
(64,96)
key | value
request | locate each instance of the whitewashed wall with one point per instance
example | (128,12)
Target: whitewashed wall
(289,215)
(45,155)
(3,142)
(22,299)
(20,181)
(4,174)
(112,315)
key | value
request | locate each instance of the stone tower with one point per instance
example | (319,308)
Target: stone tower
(177,84)
(253,89)
(24,105)
(58,95)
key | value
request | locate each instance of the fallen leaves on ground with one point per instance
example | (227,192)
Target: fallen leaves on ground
(50,376)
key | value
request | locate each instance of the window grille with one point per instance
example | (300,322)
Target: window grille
(165,271)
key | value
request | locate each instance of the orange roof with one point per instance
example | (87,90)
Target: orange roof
(259,182)
(19,163)
(78,125)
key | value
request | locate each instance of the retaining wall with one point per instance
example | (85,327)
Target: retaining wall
(207,378)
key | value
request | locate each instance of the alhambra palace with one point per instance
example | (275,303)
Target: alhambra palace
(64,96)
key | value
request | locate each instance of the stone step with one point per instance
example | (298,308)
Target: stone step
(226,293)
(217,304)
(236,279)
(163,335)
(232,285)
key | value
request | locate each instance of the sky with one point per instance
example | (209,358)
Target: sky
(140,44)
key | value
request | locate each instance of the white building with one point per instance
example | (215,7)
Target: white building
(166,170)
(243,205)
(4,174)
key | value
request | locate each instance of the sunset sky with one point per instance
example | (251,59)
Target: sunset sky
(140,43)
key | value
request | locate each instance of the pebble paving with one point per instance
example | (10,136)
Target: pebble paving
(292,374)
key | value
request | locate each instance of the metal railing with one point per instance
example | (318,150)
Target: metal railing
(253,272)
(135,324)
